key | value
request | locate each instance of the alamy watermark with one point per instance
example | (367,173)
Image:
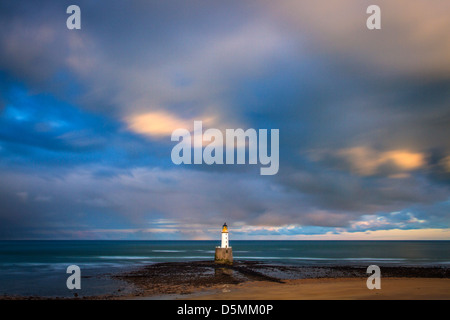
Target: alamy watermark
(251,145)
(374,20)
(74,20)
(73,281)
(374,281)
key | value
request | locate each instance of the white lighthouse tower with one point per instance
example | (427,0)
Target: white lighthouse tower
(225,243)
(224,253)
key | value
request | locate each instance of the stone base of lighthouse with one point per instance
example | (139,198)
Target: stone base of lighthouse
(224,256)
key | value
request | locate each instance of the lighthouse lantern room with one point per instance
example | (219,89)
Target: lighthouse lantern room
(225,243)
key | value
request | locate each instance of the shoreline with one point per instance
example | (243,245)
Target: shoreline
(251,280)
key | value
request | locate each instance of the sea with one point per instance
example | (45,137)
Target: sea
(39,268)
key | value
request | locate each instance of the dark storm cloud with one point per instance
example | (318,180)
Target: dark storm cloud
(364,118)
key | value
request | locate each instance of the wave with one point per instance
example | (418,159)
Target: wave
(123,257)
(323,259)
(348,259)
(183,257)
(374,259)
(25,267)
(262,258)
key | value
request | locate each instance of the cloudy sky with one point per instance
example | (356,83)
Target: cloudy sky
(86,118)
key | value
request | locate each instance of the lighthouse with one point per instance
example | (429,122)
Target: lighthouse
(224,253)
(224,236)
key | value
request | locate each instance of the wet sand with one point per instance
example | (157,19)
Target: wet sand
(333,289)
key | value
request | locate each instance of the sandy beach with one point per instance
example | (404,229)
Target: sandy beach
(332,289)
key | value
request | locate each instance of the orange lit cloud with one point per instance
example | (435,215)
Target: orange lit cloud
(366,161)
(157,124)
(161,124)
